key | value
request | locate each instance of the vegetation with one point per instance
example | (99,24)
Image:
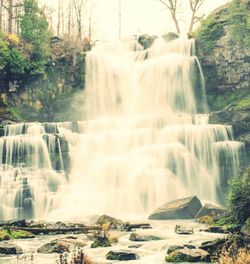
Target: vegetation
(7,234)
(236,16)
(34,30)
(29,53)
(239,197)
(234,256)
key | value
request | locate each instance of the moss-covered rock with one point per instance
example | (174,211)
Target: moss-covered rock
(14,234)
(224,51)
(188,255)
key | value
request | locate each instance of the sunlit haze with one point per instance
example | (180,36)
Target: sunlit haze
(138,16)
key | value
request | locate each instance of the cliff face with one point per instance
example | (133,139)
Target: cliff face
(55,95)
(223,46)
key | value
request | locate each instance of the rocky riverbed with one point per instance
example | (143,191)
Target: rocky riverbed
(148,249)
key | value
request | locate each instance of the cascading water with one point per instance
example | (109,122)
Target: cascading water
(142,144)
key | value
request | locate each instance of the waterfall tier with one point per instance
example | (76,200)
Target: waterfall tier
(146,140)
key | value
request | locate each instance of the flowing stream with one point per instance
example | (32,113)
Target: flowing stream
(145,140)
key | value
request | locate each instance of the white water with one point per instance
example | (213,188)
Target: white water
(142,144)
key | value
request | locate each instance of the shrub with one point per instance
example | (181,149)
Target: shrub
(239,197)
(234,256)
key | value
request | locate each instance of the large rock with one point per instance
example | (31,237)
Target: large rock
(183,230)
(210,209)
(142,237)
(114,223)
(121,255)
(7,248)
(60,246)
(185,208)
(188,255)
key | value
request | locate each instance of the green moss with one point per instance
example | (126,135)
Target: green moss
(173,257)
(101,242)
(14,234)
(15,113)
(236,16)
(238,99)
(210,31)
(244,103)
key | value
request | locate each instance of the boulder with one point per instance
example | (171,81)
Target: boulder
(121,255)
(182,230)
(185,208)
(215,229)
(188,255)
(115,224)
(61,245)
(173,248)
(15,223)
(212,246)
(101,242)
(141,237)
(210,210)
(7,248)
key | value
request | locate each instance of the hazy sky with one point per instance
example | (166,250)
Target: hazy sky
(142,16)
(138,16)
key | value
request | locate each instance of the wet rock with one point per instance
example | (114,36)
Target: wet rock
(114,224)
(212,246)
(146,40)
(15,223)
(245,230)
(215,229)
(7,248)
(142,237)
(210,210)
(189,246)
(101,242)
(173,248)
(182,230)
(185,208)
(135,246)
(121,255)
(61,245)
(188,255)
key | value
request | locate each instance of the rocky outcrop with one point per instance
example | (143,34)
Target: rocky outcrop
(53,95)
(142,237)
(223,47)
(7,248)
(185,208)
(188,255)
(61,245)
(224,55)
(210,210)
(121,255)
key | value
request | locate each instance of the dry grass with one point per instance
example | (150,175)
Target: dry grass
(234,256)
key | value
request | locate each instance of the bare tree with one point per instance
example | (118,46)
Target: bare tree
(69,24)
(1,14)
(195,5)
(120,19)
(173,7)
(79,8)
(9,6)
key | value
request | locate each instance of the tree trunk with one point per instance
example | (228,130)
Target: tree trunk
(59,18)
(176,23)
(69,19)
(10,19)
(1,15)
(191,24)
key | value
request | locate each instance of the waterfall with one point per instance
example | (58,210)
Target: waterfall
(146,140)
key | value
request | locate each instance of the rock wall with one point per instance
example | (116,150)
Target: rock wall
(226,64)
(55,95)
